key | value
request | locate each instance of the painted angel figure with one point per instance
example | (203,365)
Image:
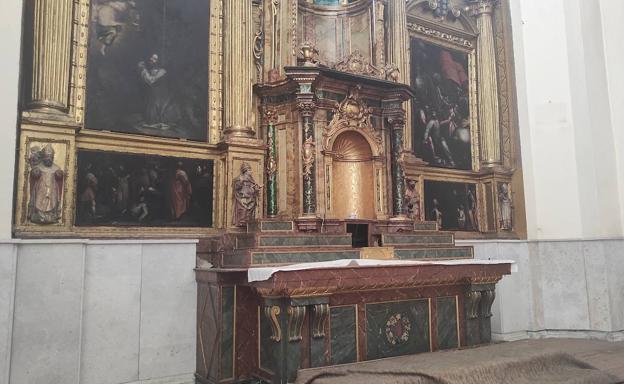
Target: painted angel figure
(107,17)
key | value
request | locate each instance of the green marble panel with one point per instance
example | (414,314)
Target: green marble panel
(433,253)
(437,239)
(425,226)
(276,226)
(301,257)
(267,346)
(447,322)
(343,335)
(227,332)
(245,242)
(397,328)
(303,241)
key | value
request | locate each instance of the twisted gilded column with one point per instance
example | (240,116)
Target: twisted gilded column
(270,116)
(399,54)
(487,84)
(307,107)
(397,124)
(51,55)
(238,37)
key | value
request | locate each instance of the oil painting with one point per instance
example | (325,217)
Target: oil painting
(441,109)
(137,190)
(148,67)
(452,205)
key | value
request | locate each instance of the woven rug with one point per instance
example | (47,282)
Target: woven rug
(546,367)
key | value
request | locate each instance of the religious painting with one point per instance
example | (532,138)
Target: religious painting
(148,67)
(441,109)
(452,205)
(117,189)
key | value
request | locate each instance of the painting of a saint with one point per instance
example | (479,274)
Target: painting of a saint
(441,119)
(147,73)
(452,205)
(134,190)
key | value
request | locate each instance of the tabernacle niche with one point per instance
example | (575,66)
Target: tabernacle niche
(148,67)
(117,189)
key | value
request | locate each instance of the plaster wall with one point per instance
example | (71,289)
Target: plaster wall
(10,41)
(91,312)
(567,95)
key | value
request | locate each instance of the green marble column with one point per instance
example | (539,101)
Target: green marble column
(306,109)
(271,165)
(398,178)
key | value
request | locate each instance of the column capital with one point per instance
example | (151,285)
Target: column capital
(482,7)
(269,115)
(306,104)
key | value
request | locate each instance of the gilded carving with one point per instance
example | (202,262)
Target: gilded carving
(444,8)
(272,313)
(487,299)
(352,113)
(309,156)
(46,180)
(356,63)
(473,299)
(321,311)
(448,37)
(296,314)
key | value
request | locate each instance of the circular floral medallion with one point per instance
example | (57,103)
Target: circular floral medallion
(397,329)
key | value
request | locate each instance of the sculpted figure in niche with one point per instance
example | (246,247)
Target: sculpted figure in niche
(412,200)
(505,207)
(181,192)
(246,192)
(46,187)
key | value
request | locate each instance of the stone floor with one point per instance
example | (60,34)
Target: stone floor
(603,355)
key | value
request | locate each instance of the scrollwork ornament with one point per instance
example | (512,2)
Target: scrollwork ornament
(272,313)
(309,156)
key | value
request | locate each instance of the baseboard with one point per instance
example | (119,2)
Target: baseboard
(187,378)
(560,334)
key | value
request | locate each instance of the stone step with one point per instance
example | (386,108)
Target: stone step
(271,226)
(427,253)
(428,238)
(294,240)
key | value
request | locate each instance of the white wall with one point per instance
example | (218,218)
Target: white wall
(561,289)
(570,136)
(10,40)
(97,312)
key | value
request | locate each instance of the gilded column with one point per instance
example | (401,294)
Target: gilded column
(397,124)
(238,38)
(487,84)
(271,163)
(307,107)
(399,55)
(51,55)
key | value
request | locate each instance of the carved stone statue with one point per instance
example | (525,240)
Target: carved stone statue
(412,200)
(46,187)
(246,192)
(504,207)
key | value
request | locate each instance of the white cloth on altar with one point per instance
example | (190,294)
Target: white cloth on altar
(265,273)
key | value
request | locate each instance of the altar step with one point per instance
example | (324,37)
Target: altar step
(417,238)
(257,256)
(269,226)
(290,240)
